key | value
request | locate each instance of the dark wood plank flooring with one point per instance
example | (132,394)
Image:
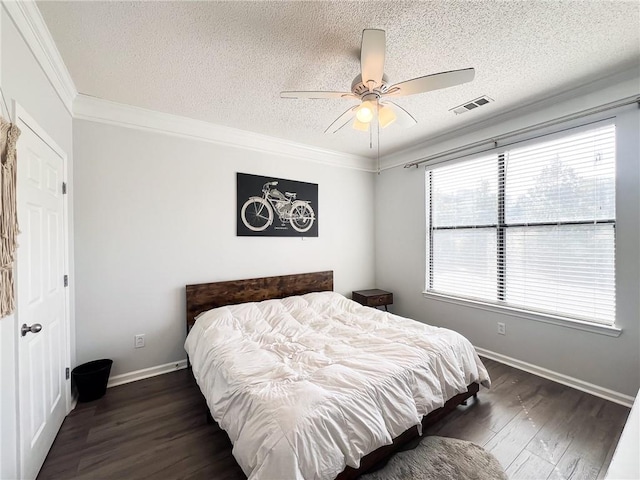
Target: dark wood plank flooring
(157,428)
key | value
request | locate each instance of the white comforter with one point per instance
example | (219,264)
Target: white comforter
(307,385)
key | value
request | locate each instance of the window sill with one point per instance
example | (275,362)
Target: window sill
(608,330)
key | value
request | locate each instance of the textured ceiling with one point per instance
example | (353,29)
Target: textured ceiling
(226,62)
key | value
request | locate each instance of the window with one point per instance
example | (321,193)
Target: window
(531,227)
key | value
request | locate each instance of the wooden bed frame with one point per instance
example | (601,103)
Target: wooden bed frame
(205,296)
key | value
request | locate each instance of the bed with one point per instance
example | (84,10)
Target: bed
(311,385)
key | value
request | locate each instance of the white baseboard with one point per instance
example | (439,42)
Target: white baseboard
(572,382)
(146,373)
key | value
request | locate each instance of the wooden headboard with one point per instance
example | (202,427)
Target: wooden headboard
(205,296)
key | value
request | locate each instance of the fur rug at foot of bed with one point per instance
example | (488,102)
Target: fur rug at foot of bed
(438,458)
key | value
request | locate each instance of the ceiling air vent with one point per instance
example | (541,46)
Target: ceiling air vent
(465,107)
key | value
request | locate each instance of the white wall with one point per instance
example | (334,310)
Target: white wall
(604,361)
(156,212)
(23,80)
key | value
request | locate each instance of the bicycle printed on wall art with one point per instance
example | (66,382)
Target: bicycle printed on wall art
(274,211)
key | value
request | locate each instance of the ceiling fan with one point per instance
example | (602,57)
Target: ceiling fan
(371,87)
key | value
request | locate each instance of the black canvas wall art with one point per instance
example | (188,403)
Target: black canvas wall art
(276,207)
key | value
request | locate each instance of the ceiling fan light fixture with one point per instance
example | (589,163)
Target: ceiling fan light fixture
(362,126)
(365,112)
(386,116)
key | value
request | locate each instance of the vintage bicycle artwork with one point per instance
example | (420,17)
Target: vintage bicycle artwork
(284,207)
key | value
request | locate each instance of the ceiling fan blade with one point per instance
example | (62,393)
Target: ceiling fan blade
(348,95)
(431,82)
(403,118)
(372,53)
(342,120)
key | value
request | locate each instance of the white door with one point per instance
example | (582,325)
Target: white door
(41,298)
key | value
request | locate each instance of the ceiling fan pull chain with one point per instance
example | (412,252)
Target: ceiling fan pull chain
(378,129)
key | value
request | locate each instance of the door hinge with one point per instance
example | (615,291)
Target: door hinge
(64,188)
(66,373)
(66,280)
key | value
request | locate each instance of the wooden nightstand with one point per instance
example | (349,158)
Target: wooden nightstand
(373,298)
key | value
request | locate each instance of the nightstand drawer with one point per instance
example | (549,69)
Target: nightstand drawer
(379,300)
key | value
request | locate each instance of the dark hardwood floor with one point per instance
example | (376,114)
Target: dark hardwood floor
(157,428)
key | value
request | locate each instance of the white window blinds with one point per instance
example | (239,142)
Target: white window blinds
(532,227)
(464,215)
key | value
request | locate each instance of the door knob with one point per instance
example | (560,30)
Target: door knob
(35,328)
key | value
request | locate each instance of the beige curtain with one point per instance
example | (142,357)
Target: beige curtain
(9,134)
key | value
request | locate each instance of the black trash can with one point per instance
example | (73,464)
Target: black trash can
(91,379)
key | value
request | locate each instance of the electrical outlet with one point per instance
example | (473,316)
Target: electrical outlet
(502,330)
(138,341)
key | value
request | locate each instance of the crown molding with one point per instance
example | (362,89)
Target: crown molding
(568,101)
(98,110)
(29,22)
